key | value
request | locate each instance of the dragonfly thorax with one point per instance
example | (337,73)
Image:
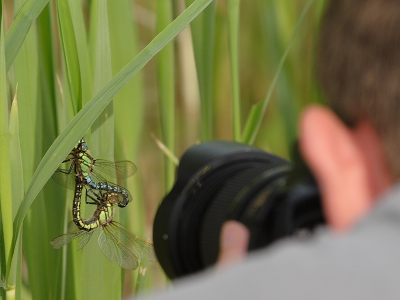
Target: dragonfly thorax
(84,164)
(106,216)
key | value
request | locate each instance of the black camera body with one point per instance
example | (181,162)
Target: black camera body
(219,181)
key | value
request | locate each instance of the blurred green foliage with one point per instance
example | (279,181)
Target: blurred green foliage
(59,55)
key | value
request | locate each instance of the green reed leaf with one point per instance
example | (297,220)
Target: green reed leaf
(166,95)
(203,43)
(101,145)
(5,171)
(70,53)
(17,180)
(233,39)
(20,28)
(88,114)
(258,110)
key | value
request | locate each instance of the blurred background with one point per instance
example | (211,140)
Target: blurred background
(265,29)
(185,95)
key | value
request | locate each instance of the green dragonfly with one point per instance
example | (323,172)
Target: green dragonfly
(116,242)
(93,222)
(88,170)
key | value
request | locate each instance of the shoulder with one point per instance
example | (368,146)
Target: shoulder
(364,263)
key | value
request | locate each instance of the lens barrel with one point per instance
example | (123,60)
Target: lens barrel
(219,181)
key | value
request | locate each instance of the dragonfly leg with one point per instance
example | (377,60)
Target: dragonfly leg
(70,167)
(93,197)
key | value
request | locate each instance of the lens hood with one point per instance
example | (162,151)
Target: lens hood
(201,174)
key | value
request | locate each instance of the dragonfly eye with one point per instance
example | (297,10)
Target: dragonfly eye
(84,146)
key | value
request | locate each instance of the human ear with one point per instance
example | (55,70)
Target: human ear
(337,161)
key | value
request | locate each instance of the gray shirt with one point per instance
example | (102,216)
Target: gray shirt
(363,263)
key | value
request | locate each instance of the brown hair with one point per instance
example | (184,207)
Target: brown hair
(359,66)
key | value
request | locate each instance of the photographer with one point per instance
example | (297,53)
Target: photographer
(353,151)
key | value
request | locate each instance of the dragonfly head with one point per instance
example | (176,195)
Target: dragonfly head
(116,198)
(82,146)
(112,198)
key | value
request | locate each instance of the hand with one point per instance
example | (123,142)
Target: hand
(234,242)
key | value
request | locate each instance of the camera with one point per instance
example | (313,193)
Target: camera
(223,180)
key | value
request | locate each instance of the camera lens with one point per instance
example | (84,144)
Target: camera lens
(242,195)
(218,181)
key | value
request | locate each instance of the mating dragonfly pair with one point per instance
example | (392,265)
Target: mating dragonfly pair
(115,241)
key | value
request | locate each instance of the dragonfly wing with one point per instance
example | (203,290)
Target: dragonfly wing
(84,238)
(142,248)
(127,260)
(115,250)
(73,233)
(63,239)
(72,227)
(108,246)
(120,169)
(63,178)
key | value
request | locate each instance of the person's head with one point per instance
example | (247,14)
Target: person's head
(359,67)
(359,71)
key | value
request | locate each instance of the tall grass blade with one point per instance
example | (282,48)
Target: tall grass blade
(166,93)
(72,258)
(258,110)
(47,62)
(20,28)
(3,265)
(25,69)
(85,65)
(129,103)
(128,113)
(203,43)
(278,21)
(5,172)
(26,76)
(103,127)
(5,167)
(105,275)
(14,277)
(233,39)
(51,212)
(70,53)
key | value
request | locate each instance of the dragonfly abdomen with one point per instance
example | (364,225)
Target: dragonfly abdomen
(105,186)
(89,224)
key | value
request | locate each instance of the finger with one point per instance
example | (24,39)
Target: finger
(233,243)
